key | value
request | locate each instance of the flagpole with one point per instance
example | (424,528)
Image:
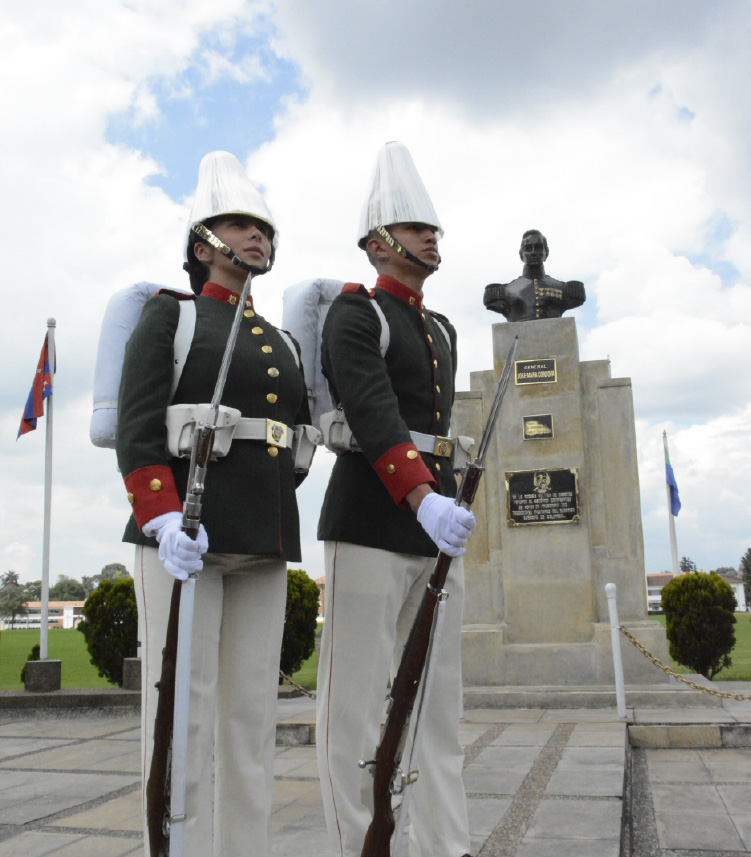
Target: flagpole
(671,519)
(44,629)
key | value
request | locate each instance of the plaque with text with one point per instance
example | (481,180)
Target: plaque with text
(537,427)
(549,496)
(543,370)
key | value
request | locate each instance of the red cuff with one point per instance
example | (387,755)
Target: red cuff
(152,492)
(401,469)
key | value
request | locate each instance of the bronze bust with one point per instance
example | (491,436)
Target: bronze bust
(534,294)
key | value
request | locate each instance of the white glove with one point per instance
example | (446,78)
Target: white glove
(446,523)
(178,553)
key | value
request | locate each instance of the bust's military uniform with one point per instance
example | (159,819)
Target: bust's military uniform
(378,560)
(250,515)
(527,298)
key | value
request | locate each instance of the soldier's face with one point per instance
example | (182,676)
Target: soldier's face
(247,237)
(418,238)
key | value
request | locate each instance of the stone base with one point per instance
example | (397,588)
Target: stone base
(670,695)
(488,659)
(132,674)
(43,676)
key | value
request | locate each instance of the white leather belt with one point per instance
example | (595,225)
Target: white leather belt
(268,431)
(433,444)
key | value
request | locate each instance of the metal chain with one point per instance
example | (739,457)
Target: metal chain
(692,684)
(310,693)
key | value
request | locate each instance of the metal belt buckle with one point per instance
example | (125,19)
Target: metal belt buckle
(443,446)
(276,433)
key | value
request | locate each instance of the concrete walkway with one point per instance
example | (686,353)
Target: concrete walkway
(540,783)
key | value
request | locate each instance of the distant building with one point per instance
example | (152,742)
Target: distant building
(655,582)
(321,584)
(60,614)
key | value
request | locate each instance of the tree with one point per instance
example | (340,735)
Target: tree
(110,626)
(33,590)
(744,567)
(300,620)
(12,597)
(727,571)
(686,565)
(111,571)
(67,589)
(699,620)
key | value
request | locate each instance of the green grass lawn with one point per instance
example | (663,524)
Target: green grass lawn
(67,646)
(740,670)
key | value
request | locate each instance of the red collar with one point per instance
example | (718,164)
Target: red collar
(214,290)
(399,290)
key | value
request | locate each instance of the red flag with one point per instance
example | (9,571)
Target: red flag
(40,389)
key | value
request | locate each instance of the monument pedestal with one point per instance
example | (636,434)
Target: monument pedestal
(559,517)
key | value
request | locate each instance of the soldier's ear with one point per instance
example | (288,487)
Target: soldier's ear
(376,246)
(202,251)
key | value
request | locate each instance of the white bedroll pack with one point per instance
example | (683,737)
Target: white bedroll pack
(306,305)
(120,319)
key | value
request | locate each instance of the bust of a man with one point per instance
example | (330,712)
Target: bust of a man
(534,294)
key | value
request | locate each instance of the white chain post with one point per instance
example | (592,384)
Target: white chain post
(615,639)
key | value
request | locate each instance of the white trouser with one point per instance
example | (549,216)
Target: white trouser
(237,637)
(372,597)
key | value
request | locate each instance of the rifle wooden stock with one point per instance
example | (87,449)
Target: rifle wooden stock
(158,783)
(404,693)
(407,682)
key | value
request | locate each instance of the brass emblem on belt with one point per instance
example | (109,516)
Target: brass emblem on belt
(276,433)
(443,446)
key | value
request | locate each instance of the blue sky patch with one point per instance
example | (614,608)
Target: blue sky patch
(197,116)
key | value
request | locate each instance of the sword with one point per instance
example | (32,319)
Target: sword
(165,788)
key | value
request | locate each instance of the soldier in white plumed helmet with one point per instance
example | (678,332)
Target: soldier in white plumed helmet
(388,509)
(250,528)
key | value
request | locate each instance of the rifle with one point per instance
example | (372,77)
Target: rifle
(165,787)
(388,779)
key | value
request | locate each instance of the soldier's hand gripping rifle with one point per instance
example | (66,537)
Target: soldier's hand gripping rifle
(388,779)
(165,788)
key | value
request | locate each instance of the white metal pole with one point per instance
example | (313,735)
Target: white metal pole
(671,518)
(615,640)
(44,628)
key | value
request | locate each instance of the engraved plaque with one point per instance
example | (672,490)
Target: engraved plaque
(543,370)
(542,496)
(537,427)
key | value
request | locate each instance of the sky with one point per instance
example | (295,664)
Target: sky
(620,130)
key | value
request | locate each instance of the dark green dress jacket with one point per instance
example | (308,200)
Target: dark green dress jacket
(249,503)
(384,397)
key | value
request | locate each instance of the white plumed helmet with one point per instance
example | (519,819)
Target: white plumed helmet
(397,194)
(224,188)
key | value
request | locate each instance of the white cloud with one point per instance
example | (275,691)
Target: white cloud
(620,130)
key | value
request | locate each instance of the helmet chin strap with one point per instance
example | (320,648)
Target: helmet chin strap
(208,236)
(402,251)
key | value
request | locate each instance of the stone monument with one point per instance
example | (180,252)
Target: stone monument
(559,517)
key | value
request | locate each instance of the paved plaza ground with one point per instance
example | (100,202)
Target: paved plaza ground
(540,783)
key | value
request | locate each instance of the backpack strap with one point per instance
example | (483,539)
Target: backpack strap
(441,327)
(290,344)
(359,288)
(183,340)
